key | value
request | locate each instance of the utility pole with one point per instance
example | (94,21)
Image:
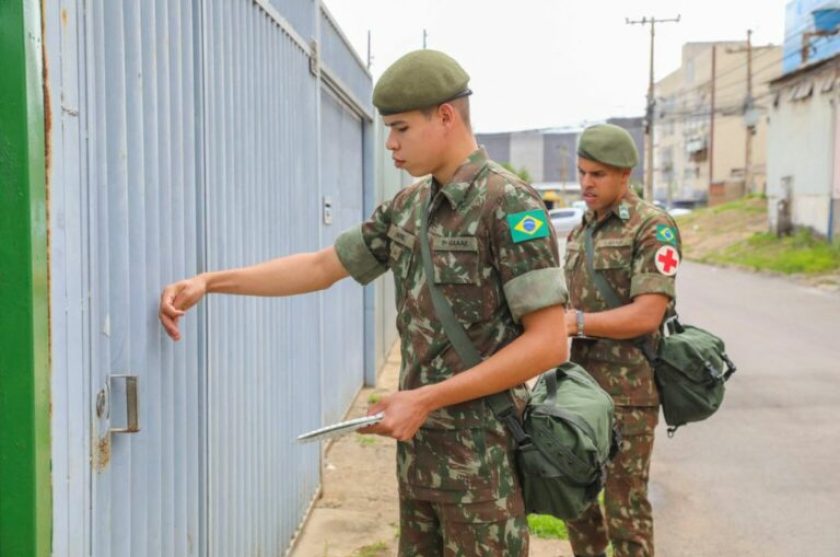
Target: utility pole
(649,112)
(712,120)
(425,36)
(750,115)
(750,126)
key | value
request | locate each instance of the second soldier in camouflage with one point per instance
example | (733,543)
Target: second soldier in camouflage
(636,249)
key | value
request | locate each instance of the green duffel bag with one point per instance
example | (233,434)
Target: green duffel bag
(568,436)
(691,369)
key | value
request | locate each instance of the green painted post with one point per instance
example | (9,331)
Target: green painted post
(25,493)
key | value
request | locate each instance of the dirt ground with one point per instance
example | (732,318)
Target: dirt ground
(357,514)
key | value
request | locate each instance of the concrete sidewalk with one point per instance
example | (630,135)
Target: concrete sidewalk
(357,514)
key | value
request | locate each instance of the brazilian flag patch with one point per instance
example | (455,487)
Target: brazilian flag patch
(666,234)
(528,225)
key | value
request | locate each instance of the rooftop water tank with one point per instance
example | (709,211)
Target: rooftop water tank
(826,20)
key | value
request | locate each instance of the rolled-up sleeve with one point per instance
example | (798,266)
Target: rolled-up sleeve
(529,267)
(535,290)
(363,249)
(356,257)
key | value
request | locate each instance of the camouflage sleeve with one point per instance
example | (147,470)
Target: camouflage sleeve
(524,247)
(363,250)
(656,257)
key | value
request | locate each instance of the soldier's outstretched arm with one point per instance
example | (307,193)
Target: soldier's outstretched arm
(541,346)
(284,276)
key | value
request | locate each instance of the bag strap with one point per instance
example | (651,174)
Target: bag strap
(500,403)
(604,287)
(611,296)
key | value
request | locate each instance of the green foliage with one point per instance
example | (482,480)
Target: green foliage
(547,527)
(800,253)
(374,397)
(746,204)
(377,549)
(523,173)
(366,440)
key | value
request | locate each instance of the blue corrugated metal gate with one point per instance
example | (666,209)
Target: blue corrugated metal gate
(190,135)
(341,178)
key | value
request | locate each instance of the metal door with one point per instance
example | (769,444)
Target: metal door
(343,309)
(124,221)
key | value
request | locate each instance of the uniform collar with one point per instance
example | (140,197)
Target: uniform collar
(622,209)
(456,189)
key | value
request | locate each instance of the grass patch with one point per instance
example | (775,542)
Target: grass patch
(749,204)
(547,527)
(366,440)
(377,549)
(800,253)
(374,397)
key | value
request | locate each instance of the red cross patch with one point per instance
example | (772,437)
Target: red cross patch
(667,259)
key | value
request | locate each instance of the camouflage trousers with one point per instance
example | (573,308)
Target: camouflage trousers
(429,529)
(629,519)
(459,494)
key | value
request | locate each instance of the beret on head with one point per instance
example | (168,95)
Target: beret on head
(608,144)
(418,80)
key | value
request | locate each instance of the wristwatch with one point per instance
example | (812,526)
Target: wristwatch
(579,319)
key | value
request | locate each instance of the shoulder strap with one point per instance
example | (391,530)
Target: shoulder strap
(500,403)
(607,291)
(610,295)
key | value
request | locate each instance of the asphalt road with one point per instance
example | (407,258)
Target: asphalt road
(762,476)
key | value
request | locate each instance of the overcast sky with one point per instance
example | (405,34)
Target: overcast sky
(547,63)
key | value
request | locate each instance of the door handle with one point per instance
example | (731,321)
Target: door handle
(131,406)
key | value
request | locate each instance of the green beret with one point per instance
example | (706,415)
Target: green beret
(418,80)
(608,144)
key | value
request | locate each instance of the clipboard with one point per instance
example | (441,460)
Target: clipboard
(340,428)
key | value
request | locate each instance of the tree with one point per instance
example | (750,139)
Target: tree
(522,172)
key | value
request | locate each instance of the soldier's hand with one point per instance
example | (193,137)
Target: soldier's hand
(176,299)
(404,411)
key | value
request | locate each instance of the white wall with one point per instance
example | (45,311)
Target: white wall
(800,145)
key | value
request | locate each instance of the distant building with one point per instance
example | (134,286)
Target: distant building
(803,142)
(550,155)
(810,32)
(700,124)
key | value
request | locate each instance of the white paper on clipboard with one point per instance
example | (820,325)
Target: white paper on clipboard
(340,428)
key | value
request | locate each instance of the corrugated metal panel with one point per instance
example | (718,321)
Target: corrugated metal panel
(141,81)
(262,202)
(341,181)
(123,223)
(300,14)
(342,62)
(70,329)
(187,135)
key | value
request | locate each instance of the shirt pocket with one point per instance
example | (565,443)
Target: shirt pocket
(456,260)
(613,258)
(457,267)
(402,251)
(570,258)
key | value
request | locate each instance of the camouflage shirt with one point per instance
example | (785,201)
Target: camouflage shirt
(494,262)
(637,250)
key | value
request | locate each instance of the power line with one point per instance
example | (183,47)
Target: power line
(650,101)
(765,50)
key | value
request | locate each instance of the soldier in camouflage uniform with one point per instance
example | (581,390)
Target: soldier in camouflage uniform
(495,260)
(636,248)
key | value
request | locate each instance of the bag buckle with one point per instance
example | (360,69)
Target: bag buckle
(512,422)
